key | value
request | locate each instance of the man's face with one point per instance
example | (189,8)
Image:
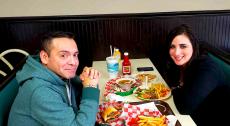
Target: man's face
(63,58)
(181,50)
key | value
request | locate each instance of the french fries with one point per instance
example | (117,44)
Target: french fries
(152,121)
(160,89)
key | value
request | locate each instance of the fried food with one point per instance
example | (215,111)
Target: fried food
(110,113)
(155,91)
(142,76)
(152,121)
(148,121)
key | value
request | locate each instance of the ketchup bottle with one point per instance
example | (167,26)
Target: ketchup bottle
(126,65)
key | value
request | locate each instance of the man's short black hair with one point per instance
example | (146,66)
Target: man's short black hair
(46,40)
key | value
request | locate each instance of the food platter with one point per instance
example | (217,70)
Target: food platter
(113,87)
(125,83)
(142,77)
(157,91)
(135,89)
(162,106)
(109,112)
(155,108)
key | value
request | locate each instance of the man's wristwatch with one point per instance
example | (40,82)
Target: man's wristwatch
(91,85)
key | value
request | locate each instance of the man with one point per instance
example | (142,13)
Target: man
(50,93)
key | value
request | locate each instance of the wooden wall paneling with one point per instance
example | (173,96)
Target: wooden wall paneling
(142,35)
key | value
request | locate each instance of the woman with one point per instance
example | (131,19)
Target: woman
(191,74)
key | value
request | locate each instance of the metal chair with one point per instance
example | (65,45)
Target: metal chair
(8,84)
(7,62)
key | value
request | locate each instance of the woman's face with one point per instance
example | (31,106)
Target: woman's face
(181,50)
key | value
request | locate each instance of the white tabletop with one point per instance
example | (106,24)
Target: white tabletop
(185,120)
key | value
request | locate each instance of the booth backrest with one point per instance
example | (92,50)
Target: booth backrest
(224,66)
(221,57)
(7,95)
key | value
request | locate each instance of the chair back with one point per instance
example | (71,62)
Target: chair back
(4,60)
(7,95)
(224,66)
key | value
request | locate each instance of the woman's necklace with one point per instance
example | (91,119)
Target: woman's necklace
(181,81)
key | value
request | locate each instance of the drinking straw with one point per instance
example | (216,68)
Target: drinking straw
(146,82)
(111,51)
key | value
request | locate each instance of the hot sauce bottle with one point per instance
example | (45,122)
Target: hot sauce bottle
(126,65)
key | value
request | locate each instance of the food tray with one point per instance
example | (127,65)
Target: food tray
(162,106)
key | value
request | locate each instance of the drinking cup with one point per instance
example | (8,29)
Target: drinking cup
(112,66)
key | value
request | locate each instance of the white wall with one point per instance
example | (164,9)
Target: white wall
(12,8)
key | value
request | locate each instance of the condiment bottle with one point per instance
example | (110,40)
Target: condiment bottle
(126,65)
(117,54)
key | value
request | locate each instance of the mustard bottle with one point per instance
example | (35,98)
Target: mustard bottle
(117,54)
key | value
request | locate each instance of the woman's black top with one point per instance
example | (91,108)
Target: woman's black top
(201,79)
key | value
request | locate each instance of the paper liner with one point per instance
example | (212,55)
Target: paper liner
(128,111)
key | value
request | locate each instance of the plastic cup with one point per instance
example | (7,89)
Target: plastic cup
(112,67)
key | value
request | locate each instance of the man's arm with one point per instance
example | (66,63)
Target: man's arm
(49,107)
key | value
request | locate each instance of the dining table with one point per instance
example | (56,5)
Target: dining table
(101,66)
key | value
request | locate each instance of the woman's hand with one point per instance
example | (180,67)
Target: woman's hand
(90,77)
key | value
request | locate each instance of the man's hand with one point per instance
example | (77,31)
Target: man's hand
(90,77)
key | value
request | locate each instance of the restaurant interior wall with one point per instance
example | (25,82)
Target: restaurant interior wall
(14,8)
(141,34)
